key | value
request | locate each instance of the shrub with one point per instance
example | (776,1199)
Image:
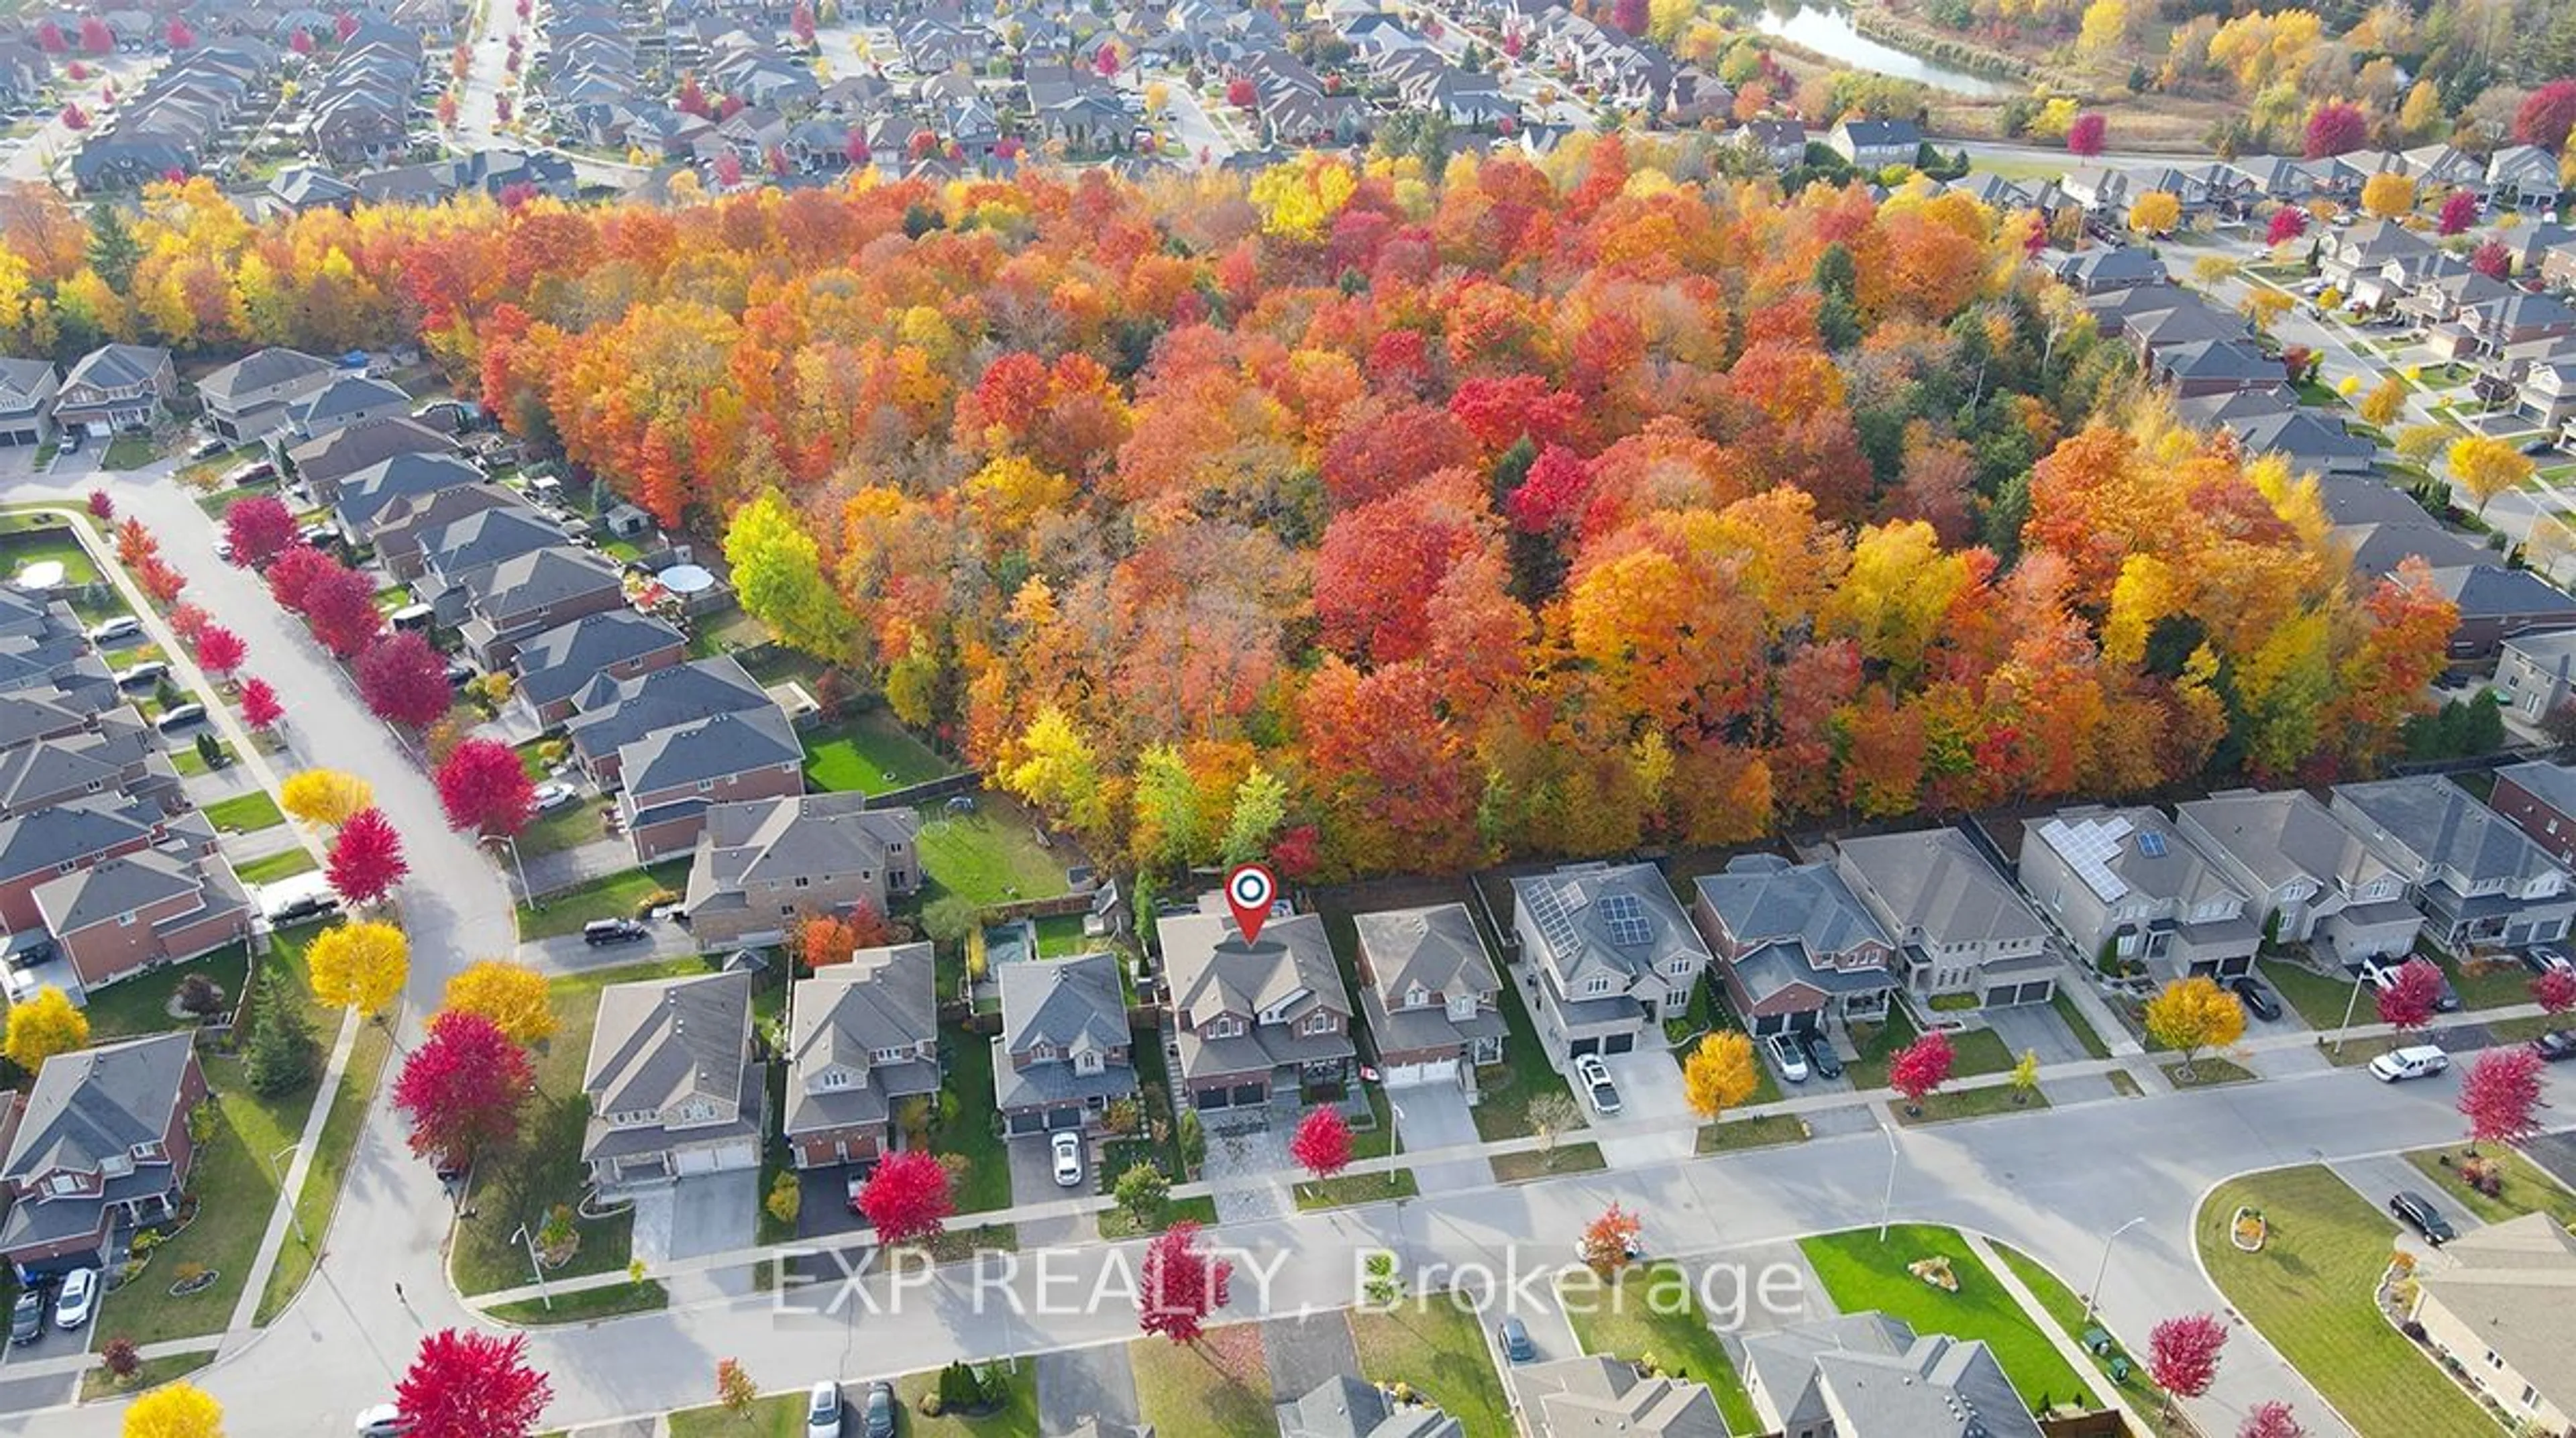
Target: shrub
(1193,1138)
(958,1386)
(120,1358)
(654,900)
(199,995)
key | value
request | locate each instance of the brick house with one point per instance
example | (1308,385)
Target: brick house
(116,387)
(1795,948)
(674,1089)
(1065,1051)
(762,863)
(1433,999)
(39,847)
(323,462)
(2123,883)
(142,911)
(2468,870)
(524,596)
(861,1037)
(613,644)
(673,776)
(1255,1019)
(2540,800)
(611,714)
(102,1141)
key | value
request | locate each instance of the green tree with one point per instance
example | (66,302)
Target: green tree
(1260,807)
(948,919)
(1169,827)
(113,250)
(1143,1191)
(280,1057)
(778,575)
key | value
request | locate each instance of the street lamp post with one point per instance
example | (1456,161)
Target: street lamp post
(1887,1199)
(2349,1005)
(2102,1270)
(512,845)
(293,1209)
(523,1236)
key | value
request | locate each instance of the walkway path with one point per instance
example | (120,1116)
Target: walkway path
(2107,1394)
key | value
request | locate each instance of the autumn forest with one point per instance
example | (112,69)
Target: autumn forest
(1377,519)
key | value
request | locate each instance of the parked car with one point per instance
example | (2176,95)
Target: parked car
(383,1421)
(27,1318)
(78,1300)
(180,716)
(2541,958)
(552,795)
(880,1410)
(124,626)
(2555,1046)
(208,448)
(2257,999)
(611,931)
(2382,973)
(823,1411)
(301,908)
(2418,1213)
(1068,1157)
(144,675)
(1785,1054)
(2418,1061)
(1512,1336)
(73,439)
(459,673)
(2539,447)
(1594,1076)
(1820,1055)
(224,550)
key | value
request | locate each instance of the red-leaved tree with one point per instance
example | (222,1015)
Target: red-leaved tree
(2555,991)
(344,25)
(134,543)
(160,580)
(2086,135)
(465,1384)
(301,42)
(484,788)
(340,609)
(258,527)
(366,858)
(49,38)
(2271,1418)
(728,170)
(462,1088)
(1322,1143)
(1179,1284)
(1631,16)
(95,37)
(2492,260)
(102,505)
(220,651)
(2500,1095)
(2287,224)
(404,681)
(1920,1068)
(2182,1353)
(800,23)
(178,34)
(292,577)
(2546,115)
(2459,211)
(2407,1003)
(2336,128)
(906,1200)
(1609,1242)
(260,709)
(1239,92)
(188,621)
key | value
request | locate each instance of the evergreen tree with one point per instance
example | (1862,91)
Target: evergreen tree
(113,250)
(280,1059)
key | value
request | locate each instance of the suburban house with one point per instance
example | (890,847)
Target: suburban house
(404,529)
(1064,1053)
(1782,142)
(1959,926)
(46,844)
(248,399)
(323,462)
(1795,947)
(762,864)
(613,644)
(2540,800)
(2537,673)
(861,1036)
(2308,878)
(2345,255)
(27,391)
(525,595)
(117,387)
(1876,144)
(1433,1000)
(1866,1375)
(1255,1019)
(370,493)
(116,755)
(673,1086)
(350,398)
(102,1141)
(141,911)
(674,776)
(2122,884)
(2497,604)
(1597,1395)
(613,713)
(2473,875)
(2497,1307)
(1611,956)
(1344,1407)
(460,560)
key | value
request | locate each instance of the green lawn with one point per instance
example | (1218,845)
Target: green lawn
(990,856)
(616,896)
(245,813)
(1564,1158)
(2310,1292)
(587,1305)
(2526,1188)
(1016,1417)
(969,1133)
(1769,1131)
(2077,1024)
(284,864)
(1878,1045)
(1861,1273)
(36,538)
(545,1168)
(320,1196)
(1970,1103)
(1115,1224)
(2208,1072)
(141,1004)
(2320,1000)
(2495,984)
(1350,1190)
(1438,1348)
(129,451)
(1221,1384)
(95,1384)
(871,752)
(190,763)
(780,1415)
(1504,1090)
(2066,1311)
(568,827)
(1650,1310)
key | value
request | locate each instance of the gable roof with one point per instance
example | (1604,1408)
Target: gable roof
(706,749)
(353,447)
(1435,948)
(546,576)
(349,394)
(779,841)
(880,999)
(98,894)
(1344,1407)
(564,660)
(1212,970)
(366,493)
(274,373)
(2119,852)
(1762,898)
(2551,784)
(1595,919)
(1603,1397)
(21,380)
(663,1040)
(617,712)
(98,1103)
(1936,881)
(2491,590)
(117,366)
(2444,826)
(2285,835)
(1063,1002)
(1872,1376)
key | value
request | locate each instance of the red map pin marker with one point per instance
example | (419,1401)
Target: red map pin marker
(1248,891)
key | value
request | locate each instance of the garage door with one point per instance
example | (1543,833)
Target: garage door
(1209,1098)
(1433,1071)
(1619,1043)
(1251,1095)
(1065,1118)
(1027,1123)
(696,1160)
(1579,1047)
(2005,996)
(17,437)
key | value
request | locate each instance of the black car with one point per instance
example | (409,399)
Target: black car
(2257,999)
(2555,1046)
(878,1414)
(2418,1213)
(27,1320)
(611,931)
(1820,1055)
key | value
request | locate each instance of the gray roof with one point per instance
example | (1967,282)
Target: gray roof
(1871,1376)
(117,366)
(617,712)
(2493,591)
(2379,548)
(1936,881)
(1582,913)
(1602,1397)
(365,493)
(95,762)
(2357,501)
(708,748)
(1070,1004)
(2552,784)
(349,394)
(353,447)
(272,374)
(466,549)
(2286,835)
(2134,850)
(99,1103)
(663,1040)
(1344,1407)
(565,659)
(1436,949)
(1289,971)
(20,379)
(98,894)
(809,836)
(2512,1284)
(542,577)
(880,999)
(1762,898)
(2443,825)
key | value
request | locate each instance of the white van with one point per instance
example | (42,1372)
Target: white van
(2419,1061)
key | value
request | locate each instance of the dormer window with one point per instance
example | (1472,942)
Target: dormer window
(1088,1061)
(1320,1022)
(1416,997)
(1596,985)
(834,1079)
(1042,1050)
(889,1055)
(803,882)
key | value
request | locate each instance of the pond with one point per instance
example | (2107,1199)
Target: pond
(1828,32)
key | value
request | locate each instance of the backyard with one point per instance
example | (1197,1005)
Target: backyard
(1649,1310)
(967,1126)
(1439,1348)
(988,855)
(1221,1384)
(36,539)
(1860,1273)
(617,896)
(871,752)
(2310,1291)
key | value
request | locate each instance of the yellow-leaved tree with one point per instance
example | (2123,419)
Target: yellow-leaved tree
(512,996)
(2194,1014)
(325,796)
(1719,1073)
(361,966)
(2487,467)
(2155,213)
(44,1026)
(2386,196)
(2385,401)
(175,1410)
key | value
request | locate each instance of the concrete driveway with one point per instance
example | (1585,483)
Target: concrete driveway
(1654,1123)
(2036,1028)
(1435,1115)
(1033,1181)
(1250,1153)
(1078,1383)
(698,1215)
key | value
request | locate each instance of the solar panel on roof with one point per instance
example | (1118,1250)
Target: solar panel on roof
(2151,843)
(1626,919)
(1549,909)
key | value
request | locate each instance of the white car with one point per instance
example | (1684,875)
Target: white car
(823,1411)
(1594,1077)
(553,795)
(383,1421)
(1068,1158)
(2418,1061)
(1784,1052)
(79,1298)
(124,626)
